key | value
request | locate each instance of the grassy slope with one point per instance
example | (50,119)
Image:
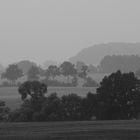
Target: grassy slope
(100,130)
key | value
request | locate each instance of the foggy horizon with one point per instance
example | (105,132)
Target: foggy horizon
(70,69)
(57,30)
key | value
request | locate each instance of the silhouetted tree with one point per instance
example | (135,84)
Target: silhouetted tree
(67,69)
(31,107)
(12,73)
(23,114)
(116,96)
(33,74)
(52,71)
(25,65)
(72,107)
(34,89)
(89,106)
(52,108)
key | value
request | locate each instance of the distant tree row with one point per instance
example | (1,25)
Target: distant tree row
(125,63)
(72,72)
(12,73)
(108,64)
(67,69)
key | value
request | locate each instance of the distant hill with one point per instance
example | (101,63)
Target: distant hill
(125,63)
(94,54)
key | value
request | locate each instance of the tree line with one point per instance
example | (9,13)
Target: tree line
(116,98)
(48,76)
(125,63)
(72,72)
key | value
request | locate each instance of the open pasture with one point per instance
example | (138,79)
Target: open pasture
(13,99)
(86,130)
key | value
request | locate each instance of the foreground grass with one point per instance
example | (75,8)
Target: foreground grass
(100,130)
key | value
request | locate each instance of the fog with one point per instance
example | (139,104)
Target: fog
(39,30)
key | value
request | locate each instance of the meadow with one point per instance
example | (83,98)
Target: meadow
(13,99)
(86,130)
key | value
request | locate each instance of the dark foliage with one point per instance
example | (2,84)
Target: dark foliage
(72,107)
(53,108)
(30,109)
(117,96)
(4,111)
(89,106)
(34,89)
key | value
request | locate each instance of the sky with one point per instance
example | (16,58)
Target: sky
(41,30)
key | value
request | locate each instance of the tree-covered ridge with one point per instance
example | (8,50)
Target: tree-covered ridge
(94,54)
(125,63)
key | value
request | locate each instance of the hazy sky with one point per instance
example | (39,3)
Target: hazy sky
(57,29)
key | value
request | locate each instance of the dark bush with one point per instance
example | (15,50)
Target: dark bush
(117,96)
(89,106)
(72,104)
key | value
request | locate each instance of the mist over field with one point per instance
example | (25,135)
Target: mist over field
(70,69)
(57,30)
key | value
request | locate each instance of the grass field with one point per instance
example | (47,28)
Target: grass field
(92,130)
(13,99)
